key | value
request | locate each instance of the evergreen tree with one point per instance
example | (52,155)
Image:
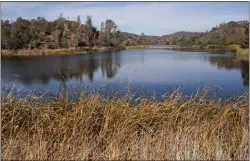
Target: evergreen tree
(78,20)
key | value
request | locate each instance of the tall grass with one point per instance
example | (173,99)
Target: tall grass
(29,52)
(237,50)
(66,51)
(94,127)
(137,47)
(231,49)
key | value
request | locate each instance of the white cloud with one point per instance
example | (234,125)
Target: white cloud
(18,5)
(150,18)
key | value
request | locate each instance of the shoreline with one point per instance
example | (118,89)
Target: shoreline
(240,53)
(64,51)
(236,50)
(231,49)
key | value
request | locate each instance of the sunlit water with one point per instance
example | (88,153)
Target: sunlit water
(155,70)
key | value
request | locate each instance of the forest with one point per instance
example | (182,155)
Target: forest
(62,33)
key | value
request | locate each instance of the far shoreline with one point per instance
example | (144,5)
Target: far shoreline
(232,50)
(65,51)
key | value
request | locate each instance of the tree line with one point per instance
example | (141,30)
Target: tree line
(62,33)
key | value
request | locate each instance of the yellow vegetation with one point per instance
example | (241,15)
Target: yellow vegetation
(236,49)
(197,128)
(66,51)
(137,47)
(28,52)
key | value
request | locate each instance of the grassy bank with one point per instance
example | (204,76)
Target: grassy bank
(32,52)
(97,128)
(137,47)
(237,50)
(232,49)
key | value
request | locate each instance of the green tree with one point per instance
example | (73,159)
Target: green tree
(20,34)
(39,31)
(78,20)
(5,32)
(245,44)
(102,36)
(89,31)
(108,33)
(79,35)
(142,38)
(89,21)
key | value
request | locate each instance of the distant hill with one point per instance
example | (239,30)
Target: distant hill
(224,34)
(180,38)
(134,39)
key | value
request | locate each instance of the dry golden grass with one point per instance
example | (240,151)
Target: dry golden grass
(97,128)
(66,51)
(236,49)
(137,47)
(29,52)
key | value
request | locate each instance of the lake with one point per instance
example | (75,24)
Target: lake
(156,70)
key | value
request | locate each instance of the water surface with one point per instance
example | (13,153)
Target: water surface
(157,70)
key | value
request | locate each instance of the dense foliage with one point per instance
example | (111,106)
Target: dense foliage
(225,34)
(63,33)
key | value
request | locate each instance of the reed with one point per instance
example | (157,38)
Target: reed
(94,127)
(66,51)
(32,52)
(237,50)
(137,47)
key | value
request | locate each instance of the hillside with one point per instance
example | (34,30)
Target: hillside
(131,39)
(179,38)
(62,33)
(224,34)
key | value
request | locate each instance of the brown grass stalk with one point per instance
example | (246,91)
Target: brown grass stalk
(64,51)
(98,128)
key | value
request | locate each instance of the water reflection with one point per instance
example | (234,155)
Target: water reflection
(227,62)
(185,49)
(161,70)
(61,68)
(230,63)
(245,72)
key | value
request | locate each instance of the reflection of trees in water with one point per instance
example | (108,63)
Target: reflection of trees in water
(108,69)
(229,63)
(61,68)
(221,62)
(245,72)
(185,49)
(224,62)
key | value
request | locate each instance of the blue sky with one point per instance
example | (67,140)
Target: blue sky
(152,18)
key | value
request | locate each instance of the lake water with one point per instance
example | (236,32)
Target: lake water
(155,70)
